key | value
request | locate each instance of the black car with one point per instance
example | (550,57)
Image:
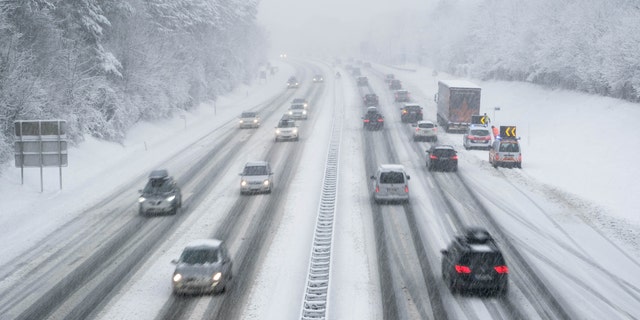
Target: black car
(411,113)
(442,157)
(372,120)
(473,262)
(160,195)
(395,84)
(370,100)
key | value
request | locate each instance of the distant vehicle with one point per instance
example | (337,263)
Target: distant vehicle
(370,100)
(203,267)
(390,184)
(338,76)
(286,130)
(442,157)
(401,96)
(505,153)
(458,101)
(477,136)
(362,81)
(293,83)
(256,177)
(318,78)
(249,119)
(160,195)
(395,84)
(388,77)
(297,111)
(473,261)
(303,101)
(356,72)
(411,112)
(373,120)
(425,130)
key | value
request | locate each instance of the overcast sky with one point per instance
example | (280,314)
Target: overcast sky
(336,26)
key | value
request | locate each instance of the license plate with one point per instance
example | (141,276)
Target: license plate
(483,277)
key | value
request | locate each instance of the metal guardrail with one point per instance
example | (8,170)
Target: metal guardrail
(315,301)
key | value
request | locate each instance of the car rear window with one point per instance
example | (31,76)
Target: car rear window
(255,170)
(392,177)
(479,132)
(444,153)
(509,147)
(482,259)
(426,125)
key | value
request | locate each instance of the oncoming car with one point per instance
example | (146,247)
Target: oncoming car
(249,119)
(161,194)
(256,177)
(203,267)
(318,78)
(286,130)
(297,111)
(473,261)
(293,83)
(390,184)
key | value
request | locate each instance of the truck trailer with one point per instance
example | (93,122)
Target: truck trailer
(458,101)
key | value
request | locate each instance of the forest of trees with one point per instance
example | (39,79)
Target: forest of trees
(104,65)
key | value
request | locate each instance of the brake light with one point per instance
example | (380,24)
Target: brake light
(377,188)
(433,157)
(462,269)
(501,269)
(366,120)
(380,119)
(454,158)
(404,111)
(406,188)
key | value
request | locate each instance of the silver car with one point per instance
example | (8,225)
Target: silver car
(161,194)
(477,136)
(297,111)
(203,267)
(256,177)
(425,130)
(249,119)
(390,184)
(287,129)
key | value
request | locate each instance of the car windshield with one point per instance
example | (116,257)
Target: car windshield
(200,256)
(248,115)
(392,177)
(426,125)
(479,132)
(157,186)
(488,260)
(297,106)
(286,124)
(255,171)
(509,147)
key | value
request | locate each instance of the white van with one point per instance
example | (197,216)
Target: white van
(390,184)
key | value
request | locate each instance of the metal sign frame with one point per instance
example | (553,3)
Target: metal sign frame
(40,143)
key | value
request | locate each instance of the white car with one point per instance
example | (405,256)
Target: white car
(297,111)
(287,129)
(390,184)
(204,266)
(425,130)
(256,177)
(249,119)
(477,136)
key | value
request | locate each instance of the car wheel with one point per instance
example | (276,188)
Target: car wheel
(430,168)
(276,139)
(519,165)
(174,211)
(140,211)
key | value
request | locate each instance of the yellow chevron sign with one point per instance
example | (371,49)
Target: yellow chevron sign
(508,131)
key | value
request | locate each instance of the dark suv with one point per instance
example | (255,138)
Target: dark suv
(473,261)
(373,120)
(411,113)
(442,157)
(160,195)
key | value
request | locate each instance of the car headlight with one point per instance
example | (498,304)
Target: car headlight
(295,130)
(290,112)
(266,182)
(243,183)
(171,198)
(177,277)
(241,121)
(217,276)
(304,111)
(142,199)
(277,131)
(255,120)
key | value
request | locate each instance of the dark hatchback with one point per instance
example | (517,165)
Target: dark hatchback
(442,157)
(474,263)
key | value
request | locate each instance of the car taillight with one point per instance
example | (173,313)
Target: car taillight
(497,157)
(462,269)
(366,120)
(404,111)
(470,137)
(454,158)
(380,119)
(433,157)
(501,269)
(519,158)
(377,188)
(406,188)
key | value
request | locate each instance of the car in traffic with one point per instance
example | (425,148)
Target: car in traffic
(442,157)
(473,262)
(390,184)
(204,266)
(297,111)
(256,177)
(362,81)
(477,137)
(303,101)
(161,194)
(370,100)
(293,83)
(401,96)
(505,153)
(372,119)
(318,78)
(411,113)
(287,129)
(249,119)
(388,77)
(356,72)
(395,84)
(425,130)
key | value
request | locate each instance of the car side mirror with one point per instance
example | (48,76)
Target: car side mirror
(373,178)
(444,252)
(408,177)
